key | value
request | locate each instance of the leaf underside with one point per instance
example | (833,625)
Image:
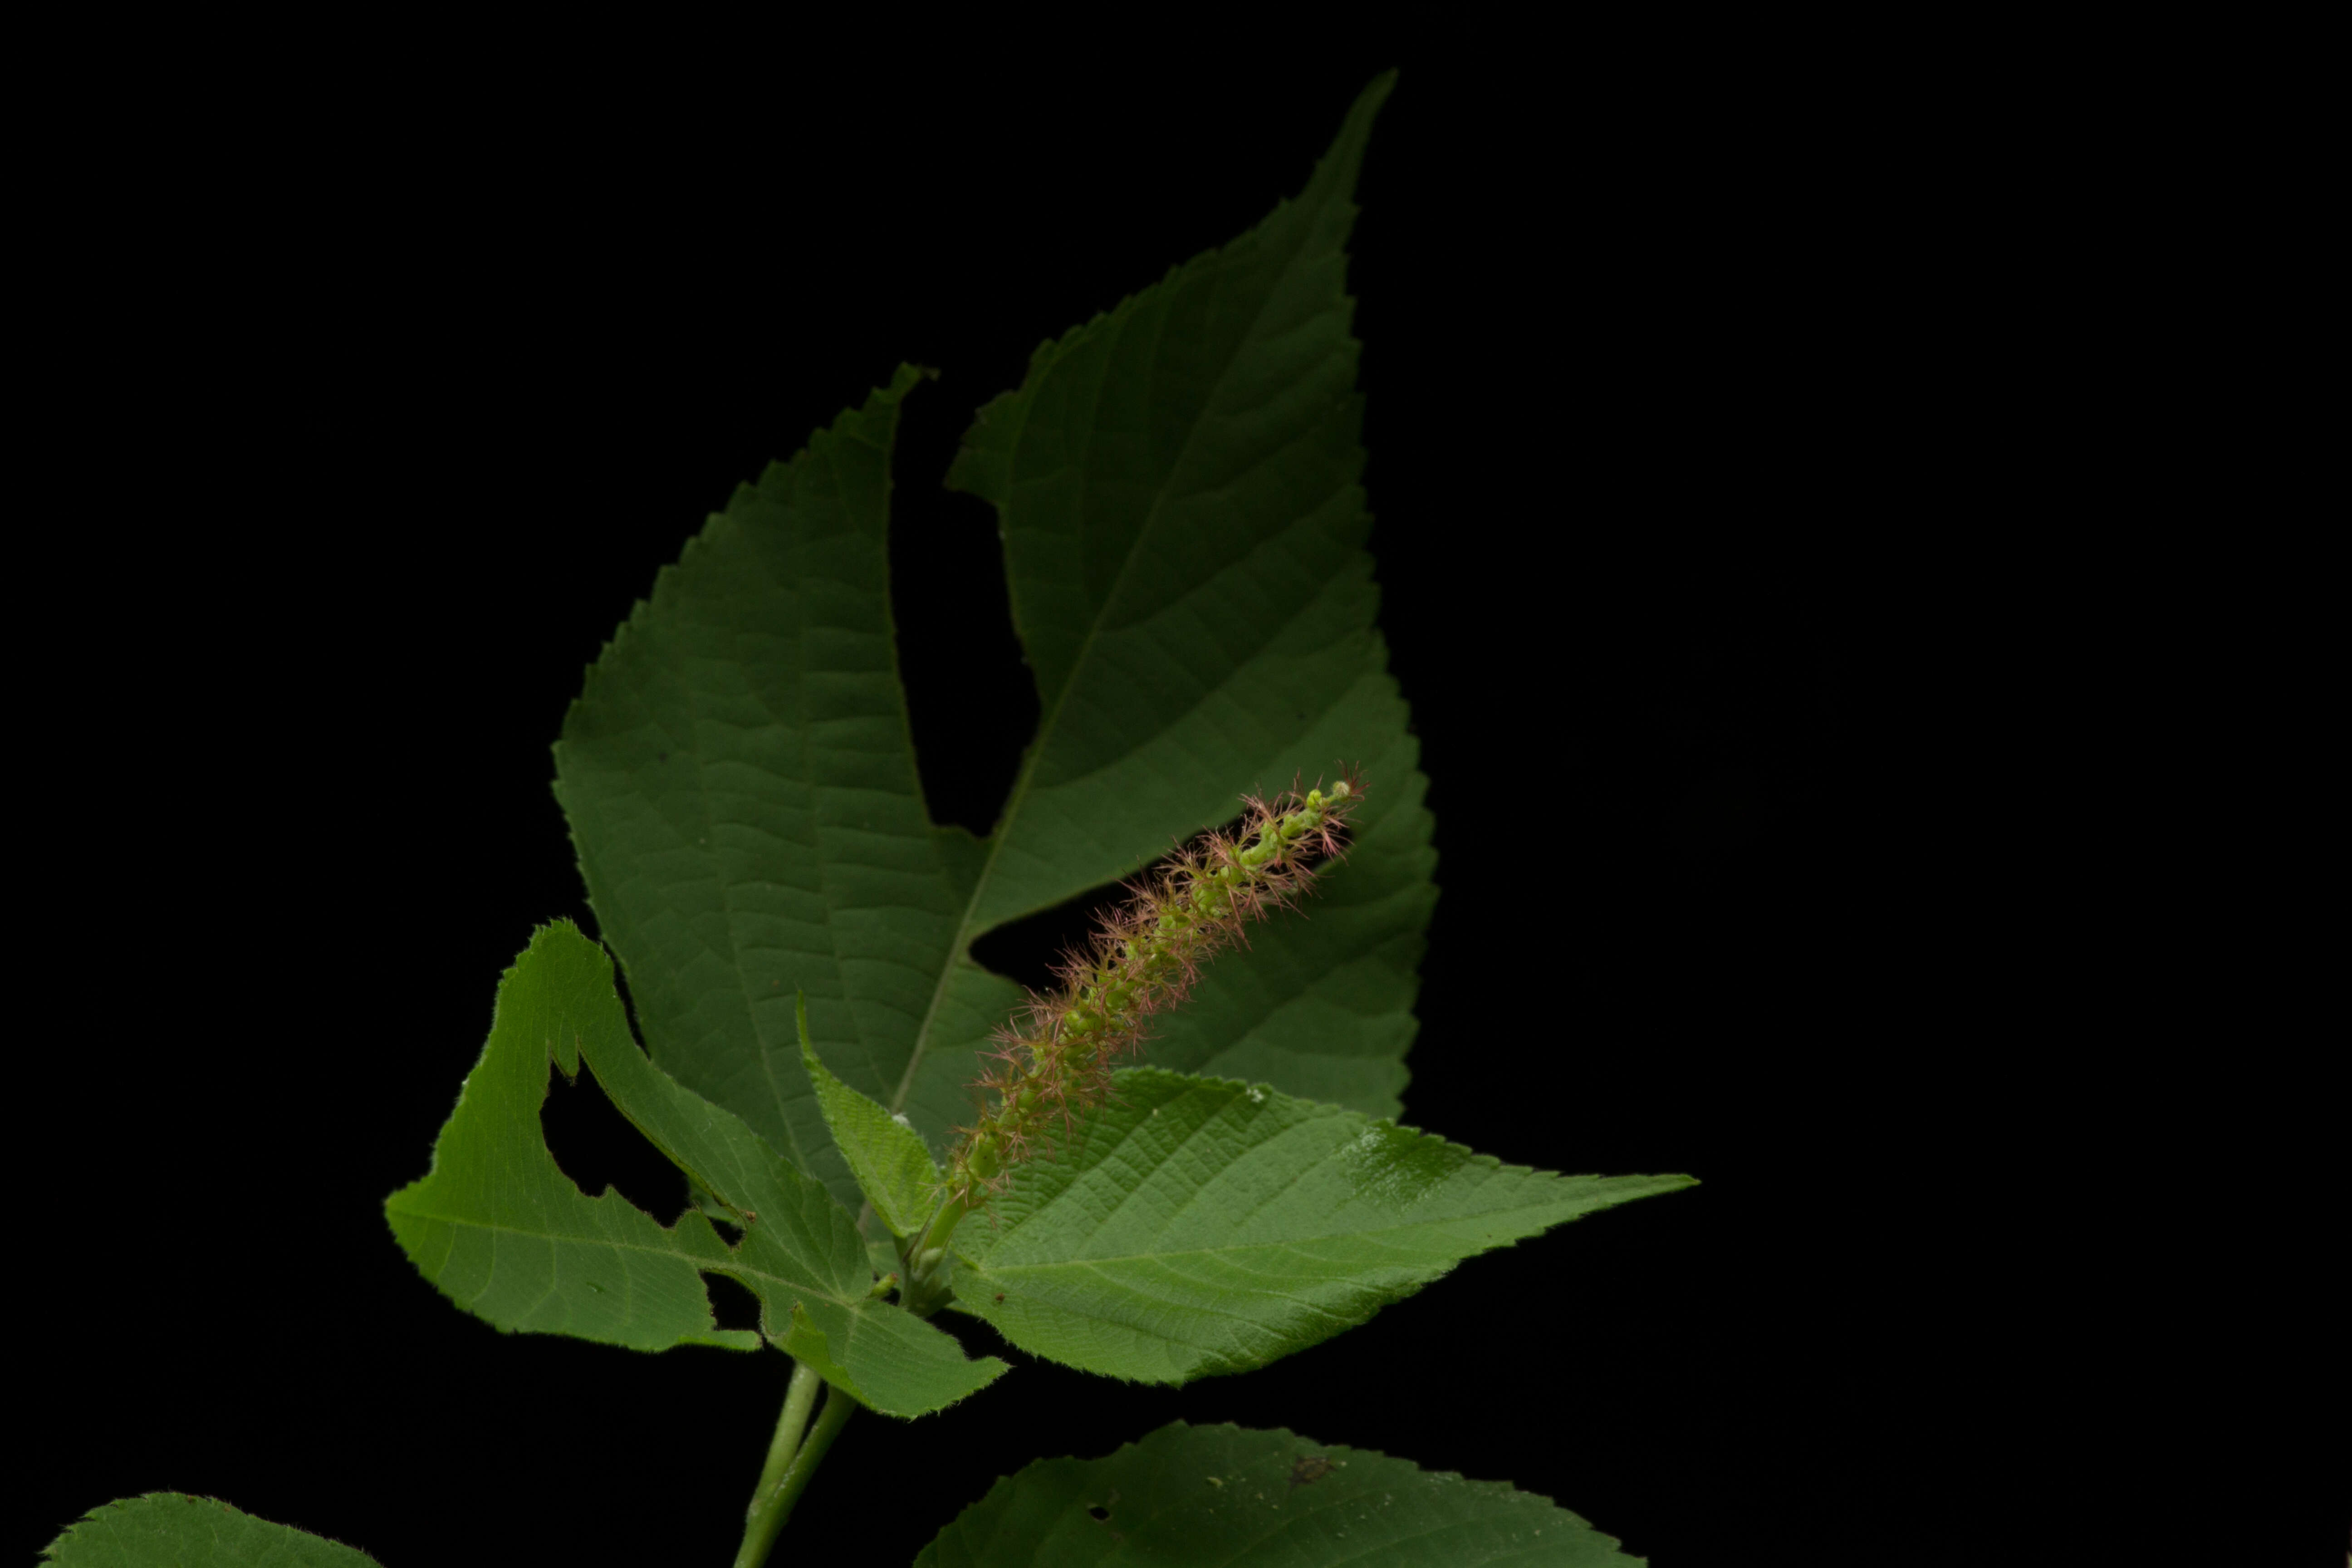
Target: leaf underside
(505,1234)
(1176,485)
(1199,1227)
(1223,1497)
(171,1530)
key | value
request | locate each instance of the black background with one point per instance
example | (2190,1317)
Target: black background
(1730,460)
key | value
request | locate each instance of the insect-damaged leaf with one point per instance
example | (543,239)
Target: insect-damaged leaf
(1199,1227)
(1177,486)
(1238,1498)
(505,1234)
(171,1530)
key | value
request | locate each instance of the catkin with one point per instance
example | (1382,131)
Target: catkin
(1055,1059)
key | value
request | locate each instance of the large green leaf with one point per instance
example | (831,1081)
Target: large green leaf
(171,1530)
(1222,1497)
(506,1235)
(1200,1226)
(1177,483)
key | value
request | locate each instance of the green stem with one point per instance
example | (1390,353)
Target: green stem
(923,1237)
(761,1535)
(925,1257)
(764,1517)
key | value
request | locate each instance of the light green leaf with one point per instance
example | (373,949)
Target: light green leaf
(1199,1226)
(498,1227)
(1177,483)
(1222,1497)
(886,1154)
(171,1530)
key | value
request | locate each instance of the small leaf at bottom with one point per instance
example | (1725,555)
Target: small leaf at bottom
(171,1530)
(1223,1497)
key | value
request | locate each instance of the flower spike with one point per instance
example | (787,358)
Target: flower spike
(1054,1061)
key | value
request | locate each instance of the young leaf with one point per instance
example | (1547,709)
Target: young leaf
(171,1530)
(1199,1226)
(1177,483)
(1241,1499)
(504,1233)
(888,1157)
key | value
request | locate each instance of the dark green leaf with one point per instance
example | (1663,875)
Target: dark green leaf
(1178,487)
(169,1530)
(1221,1497)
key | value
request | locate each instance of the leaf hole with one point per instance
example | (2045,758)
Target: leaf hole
(1098,1511)
(971,703)
(977,1338)
(628,1002)
(594,1145)
(1027,949)
(732,1305)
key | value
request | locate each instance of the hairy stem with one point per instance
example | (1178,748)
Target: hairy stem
(769,1506)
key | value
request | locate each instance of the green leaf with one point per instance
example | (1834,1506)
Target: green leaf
(498,1227)
(1198,1227)
(887,1156)
(1222,1497)
(171,1530)
(1177,483)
